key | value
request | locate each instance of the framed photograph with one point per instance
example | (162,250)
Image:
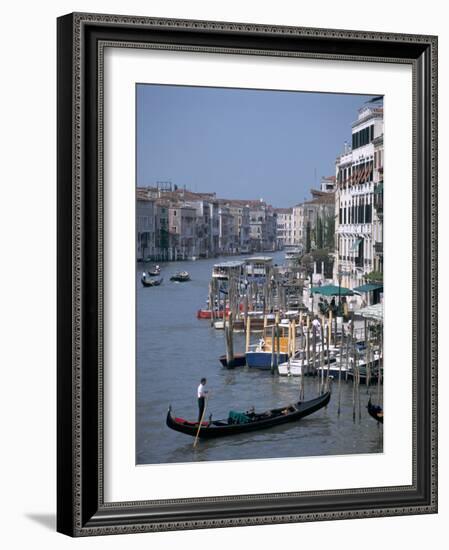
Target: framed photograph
(247,274)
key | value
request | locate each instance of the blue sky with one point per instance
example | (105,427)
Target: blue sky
(245,144)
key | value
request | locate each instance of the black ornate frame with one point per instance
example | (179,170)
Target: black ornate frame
(81,507)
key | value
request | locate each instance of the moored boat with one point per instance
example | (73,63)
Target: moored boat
(249,421)
(263,359)
(239,361)
(205,314)
(376,411)
(295,366)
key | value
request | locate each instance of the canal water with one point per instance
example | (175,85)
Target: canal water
(175,350)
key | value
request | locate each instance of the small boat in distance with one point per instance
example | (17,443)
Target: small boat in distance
(154,271)
(151,282)
(375,411)
(249,421)
(180,277)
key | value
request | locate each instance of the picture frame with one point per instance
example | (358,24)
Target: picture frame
(81,507)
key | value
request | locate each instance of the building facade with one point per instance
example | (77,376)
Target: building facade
(313,222)
(284,227)
(145,226)
(358,219)
(174,224)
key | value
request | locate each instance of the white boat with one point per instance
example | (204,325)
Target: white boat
(294,366)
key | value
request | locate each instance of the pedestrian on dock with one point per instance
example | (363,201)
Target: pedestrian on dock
(316,323)
(202,394)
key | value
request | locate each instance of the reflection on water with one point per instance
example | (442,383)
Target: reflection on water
(175,350)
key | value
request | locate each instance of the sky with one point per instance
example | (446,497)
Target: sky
(241,144)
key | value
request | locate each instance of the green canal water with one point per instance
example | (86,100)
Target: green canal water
(175,350)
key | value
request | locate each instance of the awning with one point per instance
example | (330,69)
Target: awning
(355,244)
(369,287)
(332,290)
(380,188)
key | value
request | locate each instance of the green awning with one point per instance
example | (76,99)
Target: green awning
(380,188)
(332,290)
(369,287)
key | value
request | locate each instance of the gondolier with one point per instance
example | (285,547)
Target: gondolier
(202,394)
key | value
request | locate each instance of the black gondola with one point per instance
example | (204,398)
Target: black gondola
(151,282)
(376,412)
(251,421)
(239,361)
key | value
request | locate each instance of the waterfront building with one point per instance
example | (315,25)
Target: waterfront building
(214,229)
(358,219)
(241,227)
(226,230)
(240,212)
(378,179)
(162,237)
(313,222)
(145,225)
(263,226)
(257,226)
(271,230)
(182,228)
(284,227)
(202,226)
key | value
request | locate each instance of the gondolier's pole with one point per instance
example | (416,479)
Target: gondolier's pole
(200,424)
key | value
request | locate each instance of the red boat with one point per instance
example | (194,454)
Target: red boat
(204,314)
(207,313)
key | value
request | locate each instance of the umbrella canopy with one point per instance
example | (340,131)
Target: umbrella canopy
(368,287)
(332,290)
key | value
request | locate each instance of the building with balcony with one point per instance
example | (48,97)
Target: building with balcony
(358,223)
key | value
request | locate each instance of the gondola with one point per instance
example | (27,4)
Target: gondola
(180,277)
(238,423)
(239,361)
(375,411)
(151,282)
